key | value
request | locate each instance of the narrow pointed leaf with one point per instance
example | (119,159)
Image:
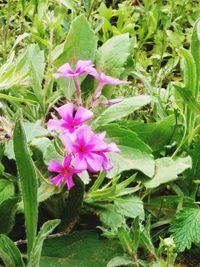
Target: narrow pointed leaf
(28,180)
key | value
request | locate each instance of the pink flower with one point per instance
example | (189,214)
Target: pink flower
(70,119)
(104,79)
(66,70)
(89,149)
(65,172)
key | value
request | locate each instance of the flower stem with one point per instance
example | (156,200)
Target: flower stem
(96,95)
(78,91)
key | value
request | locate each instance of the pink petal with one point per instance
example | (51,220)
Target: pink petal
(82,115)
(104,79)
(67,161)
(55,166)
(55,124)
(112,147)
(65,69)
(79,163)
(82,66)
(107,165)
(98,144)
(92,71)
(69,181)
(84,135)
(94,162)
(68,143)
(57,180)
(58,75)
(66,112)
(101,135)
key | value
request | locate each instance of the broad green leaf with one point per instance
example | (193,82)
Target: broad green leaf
(32,130)
(131,159)
(8,209)
(110,217)
(46,229)
(186,228)
(131,207)
(78,250)
(120,110)
(156,135)
(28,181)
(112,55)
(9,253)
(167,170)
(80,43)
(7,190)
(124,137)
(47,148)
(120,261)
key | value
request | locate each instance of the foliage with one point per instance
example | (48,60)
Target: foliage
(143,118)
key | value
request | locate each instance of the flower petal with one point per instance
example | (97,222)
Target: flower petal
(56,124)
(55,166)
(68,143)
(65,69)
(104,79)
(79,163)
(67,161)
(84,134)
(94,162)
(66,112)
(112,147)
(69,181)
(57,180)
(82,66)
(82,115)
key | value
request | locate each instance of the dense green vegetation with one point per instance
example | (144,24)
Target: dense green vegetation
(145,210)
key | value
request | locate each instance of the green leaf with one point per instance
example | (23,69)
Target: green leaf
(8,209)
(46,229)
(9,252)
(47,148)
(35,59)
(78,250)
(187,98)
(125,240)
(112,55)
(80,43)
(131,159)
(120,261)
(120,110)
(28,180)
(167,170)
(195,50)
(37,87)
(124,137)
(7,190)
(186,228)
(110,217)
(131,207)
(156,135)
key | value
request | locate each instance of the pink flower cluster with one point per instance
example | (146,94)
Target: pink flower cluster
(86,67)
(84,149)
